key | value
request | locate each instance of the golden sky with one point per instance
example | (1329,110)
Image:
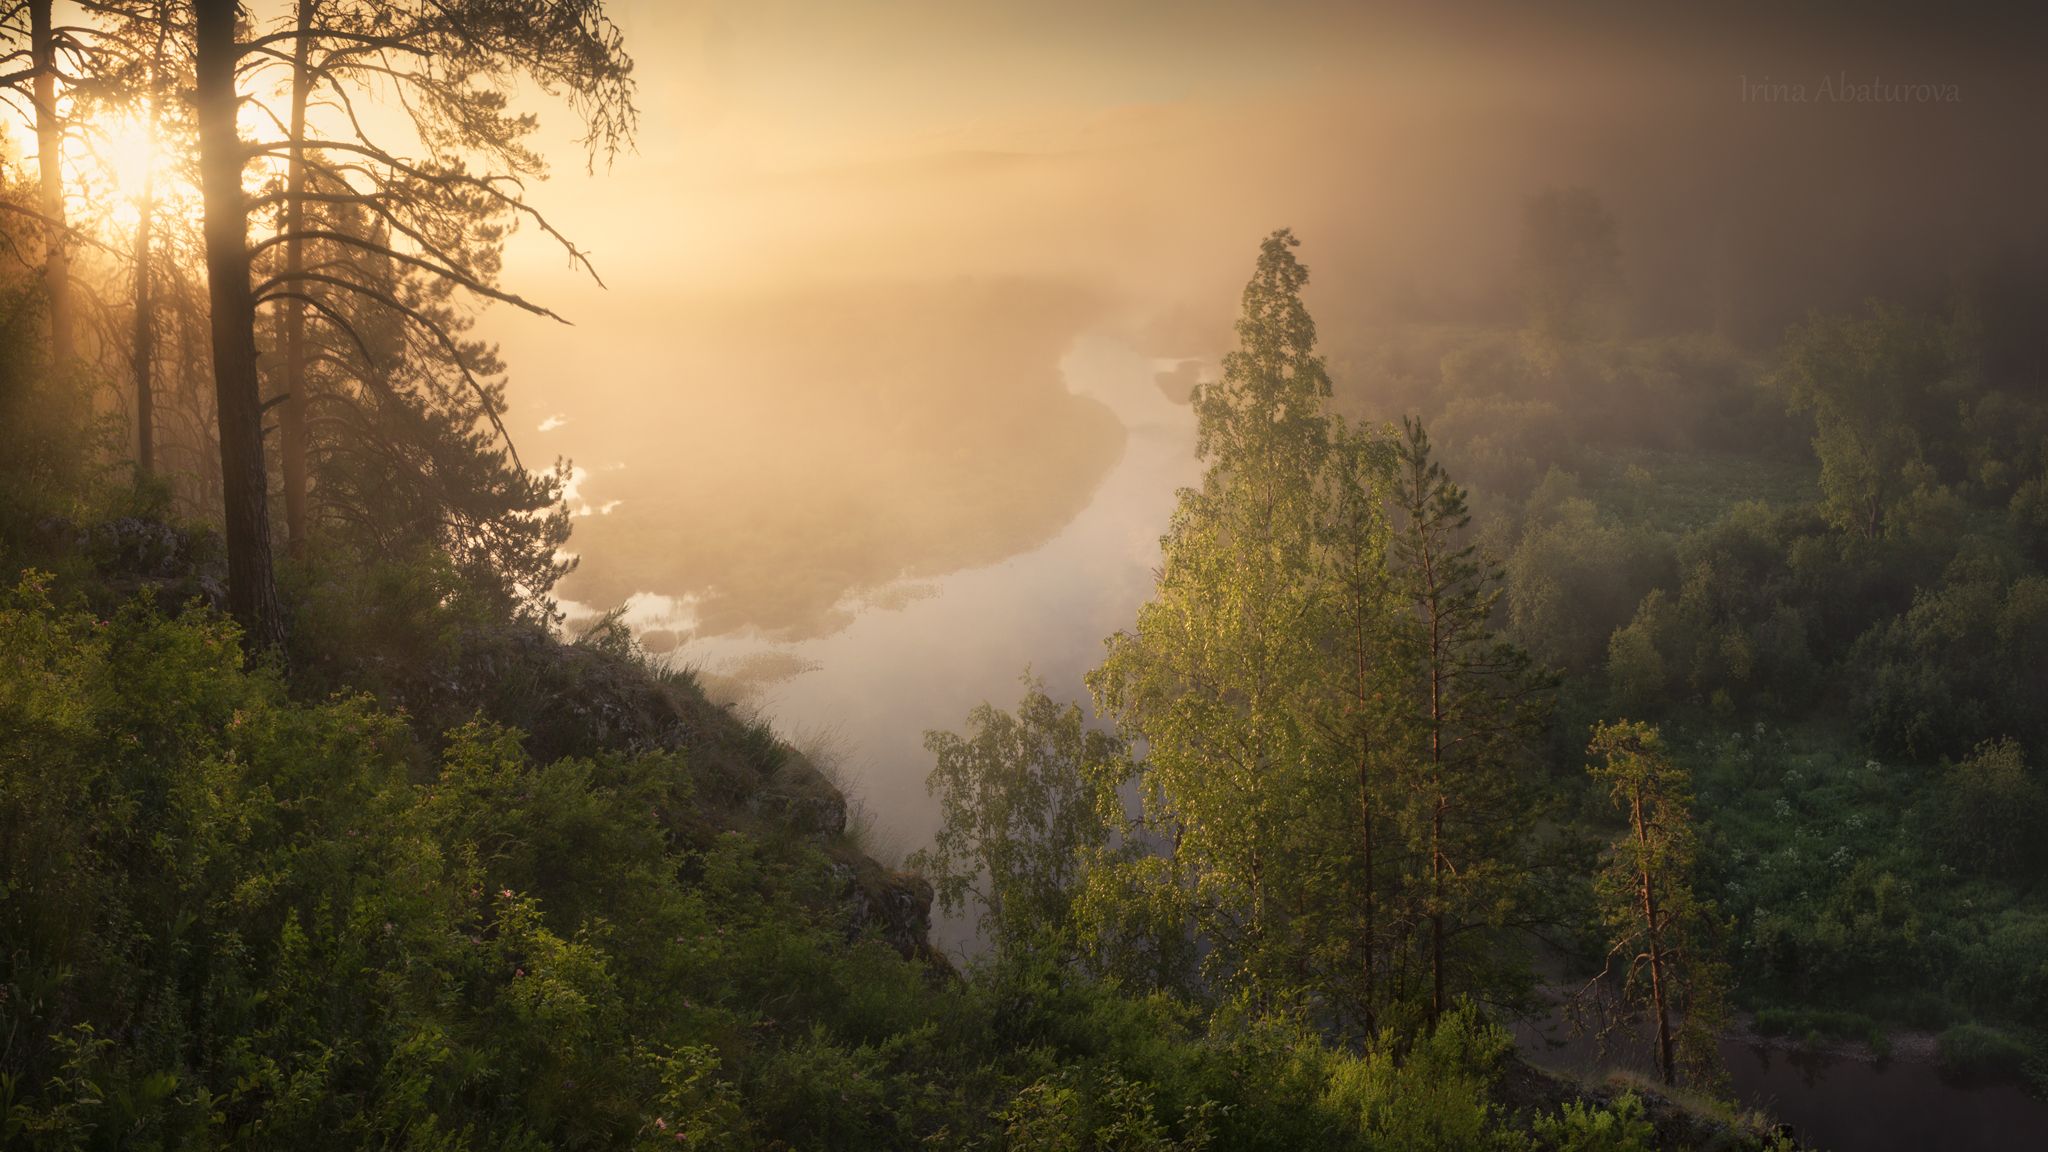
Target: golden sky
(856,236)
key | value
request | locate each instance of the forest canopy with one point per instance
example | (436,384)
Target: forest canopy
(1497,670)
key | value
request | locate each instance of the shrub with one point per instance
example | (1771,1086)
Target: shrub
(1578,1128)
(1992,811)
(1434,1096)
(1074,1110)
(1972,1052)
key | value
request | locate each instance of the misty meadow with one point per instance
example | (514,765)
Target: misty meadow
(1118,576)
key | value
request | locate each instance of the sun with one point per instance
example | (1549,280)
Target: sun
(118,161)
(129,151)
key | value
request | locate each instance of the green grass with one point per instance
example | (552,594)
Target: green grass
(1751,1129)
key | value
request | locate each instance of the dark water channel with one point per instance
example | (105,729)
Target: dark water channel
(1846,1104)
(1837,1102)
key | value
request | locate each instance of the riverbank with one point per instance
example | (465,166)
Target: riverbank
(1681,1119)
(1909,1046)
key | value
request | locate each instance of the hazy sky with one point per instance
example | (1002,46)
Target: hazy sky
(837,209)
(858,238)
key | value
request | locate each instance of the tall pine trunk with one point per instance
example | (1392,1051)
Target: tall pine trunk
(1361,692)
(252,583)
(1665,1061)
(50,167)
(292,410)
(1436,776)
(1370,932)
(144,352)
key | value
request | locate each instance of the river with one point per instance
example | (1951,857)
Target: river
(953,642)
(1835,1101)
(1847,1104)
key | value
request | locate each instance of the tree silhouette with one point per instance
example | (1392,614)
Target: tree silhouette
(437,204)
(48,48)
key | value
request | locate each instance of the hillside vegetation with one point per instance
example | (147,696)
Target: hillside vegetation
(435,878)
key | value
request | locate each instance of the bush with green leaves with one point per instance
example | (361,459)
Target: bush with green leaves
(1573,577)
(1580,1128)
(1968,662)
(1973,1052)
(232,919)
(1435,1094)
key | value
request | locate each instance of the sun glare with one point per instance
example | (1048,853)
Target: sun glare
(116,164)
(131,155)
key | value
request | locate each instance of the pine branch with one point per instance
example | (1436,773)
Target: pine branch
(425,265)
(431,326)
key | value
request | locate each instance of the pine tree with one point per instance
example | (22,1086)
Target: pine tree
(1359,613)
(53,55)
(434,213)
(1657,924)
(437,194)
(238,400)
(1473,701)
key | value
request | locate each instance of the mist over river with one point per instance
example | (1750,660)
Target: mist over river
(919,654)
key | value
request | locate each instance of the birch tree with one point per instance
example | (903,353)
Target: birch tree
(1213,677)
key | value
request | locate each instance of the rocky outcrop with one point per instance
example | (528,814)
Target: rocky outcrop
(895,907)
(800,797)
(133,556)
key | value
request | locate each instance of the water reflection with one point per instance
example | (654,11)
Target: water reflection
(1831,1100)
(795,453)
(943,645)
(1851,1105)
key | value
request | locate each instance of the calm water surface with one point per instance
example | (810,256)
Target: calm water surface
(1849,1105)
(1835,1102)
(967,637)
